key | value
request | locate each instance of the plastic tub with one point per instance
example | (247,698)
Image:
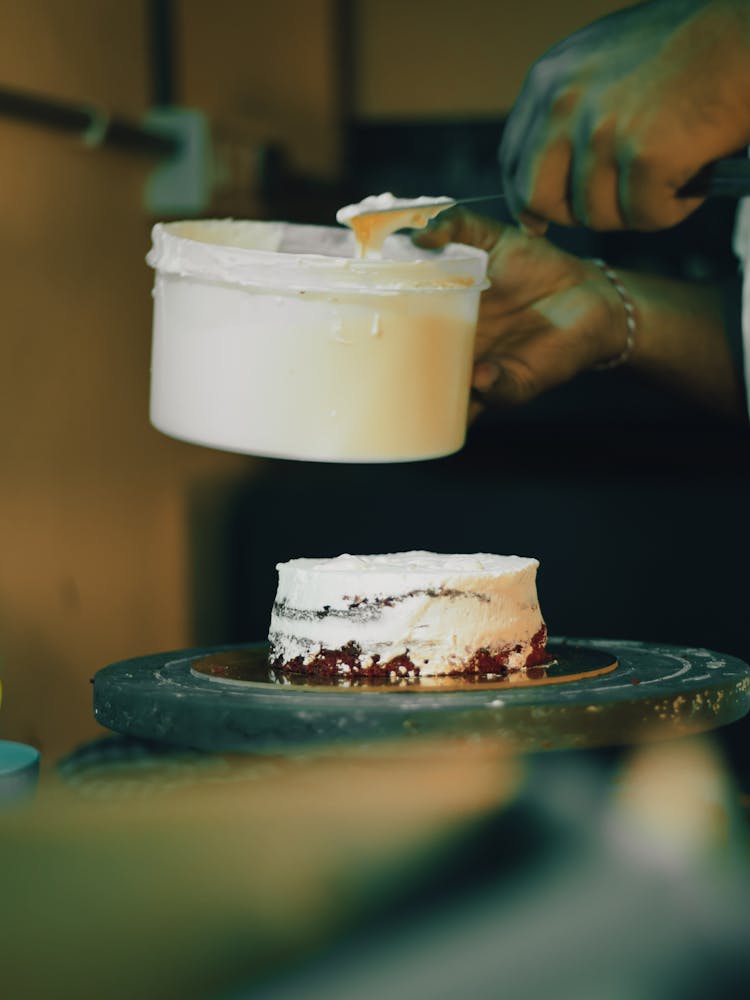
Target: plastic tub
(272,339)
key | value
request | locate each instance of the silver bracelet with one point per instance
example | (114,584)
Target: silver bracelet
(629,308)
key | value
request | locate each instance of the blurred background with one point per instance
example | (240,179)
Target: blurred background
(116,541)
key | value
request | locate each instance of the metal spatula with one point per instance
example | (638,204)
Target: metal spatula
(728,178)
(442,204)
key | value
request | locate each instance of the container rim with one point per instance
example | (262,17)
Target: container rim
(275,256)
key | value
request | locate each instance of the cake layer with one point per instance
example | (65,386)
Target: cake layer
(408,612)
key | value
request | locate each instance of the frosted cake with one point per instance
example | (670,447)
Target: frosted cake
(407,614)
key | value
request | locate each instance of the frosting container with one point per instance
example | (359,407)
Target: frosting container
(274,339)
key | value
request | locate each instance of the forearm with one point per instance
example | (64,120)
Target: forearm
(681,342)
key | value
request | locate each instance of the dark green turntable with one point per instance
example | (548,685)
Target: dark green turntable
(594,693)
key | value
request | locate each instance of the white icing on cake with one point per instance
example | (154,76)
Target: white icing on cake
(439,610)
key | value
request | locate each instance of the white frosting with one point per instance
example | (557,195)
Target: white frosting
(281,257)
(387,202)
(378,216)
(441,608)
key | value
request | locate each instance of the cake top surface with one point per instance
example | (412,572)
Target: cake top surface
(418,562)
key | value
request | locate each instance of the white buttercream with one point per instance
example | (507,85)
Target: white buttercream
(441,608)
(282,257)
(378,216)
(388,202)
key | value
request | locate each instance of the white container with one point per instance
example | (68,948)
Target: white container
(272,339)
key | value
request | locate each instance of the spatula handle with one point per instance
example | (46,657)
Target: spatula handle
(722,179)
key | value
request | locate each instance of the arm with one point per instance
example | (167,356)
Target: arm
(682,344)
(613,121)
(548,316)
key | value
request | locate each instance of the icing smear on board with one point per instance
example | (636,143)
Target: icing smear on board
(376,217)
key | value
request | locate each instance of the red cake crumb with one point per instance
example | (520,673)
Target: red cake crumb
(335,662)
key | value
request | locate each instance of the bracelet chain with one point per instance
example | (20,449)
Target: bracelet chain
(630,319)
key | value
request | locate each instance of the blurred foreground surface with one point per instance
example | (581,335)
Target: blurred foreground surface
(415,870)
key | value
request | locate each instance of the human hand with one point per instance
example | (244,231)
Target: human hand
(545,317)
(614,121)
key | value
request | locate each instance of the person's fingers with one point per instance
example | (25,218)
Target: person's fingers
(594,188)
(513,142)
(476,406)
(541,181)
(535,153)
(532,225)
(511,384)
(436,234)
(648,195)
(485,375)
(457,225)
(539,111)
(595,195)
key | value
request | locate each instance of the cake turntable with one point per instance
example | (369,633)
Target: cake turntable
(595,693)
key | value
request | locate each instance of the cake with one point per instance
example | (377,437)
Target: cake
(407,614)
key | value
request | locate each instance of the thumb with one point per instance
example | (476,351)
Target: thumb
(502,384)
(457,225)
